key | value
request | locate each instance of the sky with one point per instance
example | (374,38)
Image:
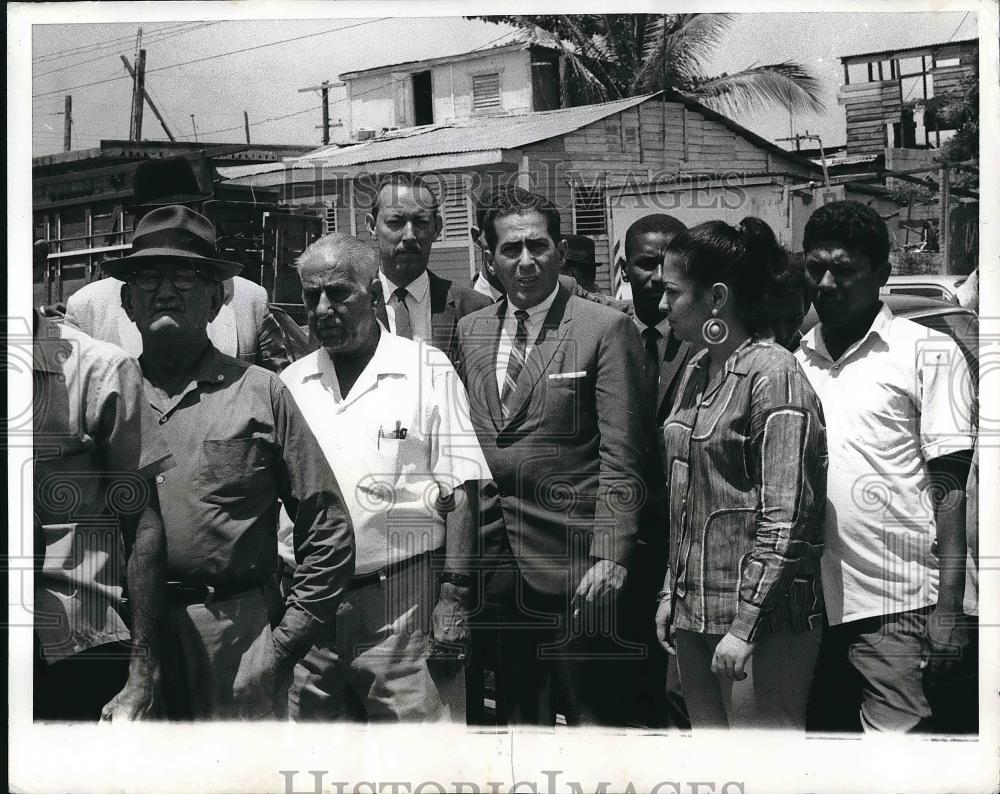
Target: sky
(265,80)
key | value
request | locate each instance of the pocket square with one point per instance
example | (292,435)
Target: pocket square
(567,375)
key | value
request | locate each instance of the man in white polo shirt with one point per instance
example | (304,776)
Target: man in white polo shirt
(897,402)
(392,418)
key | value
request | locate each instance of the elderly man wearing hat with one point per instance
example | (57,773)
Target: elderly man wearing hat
(243,327)
(241,445)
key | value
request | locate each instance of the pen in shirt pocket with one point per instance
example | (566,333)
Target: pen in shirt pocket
(398,433)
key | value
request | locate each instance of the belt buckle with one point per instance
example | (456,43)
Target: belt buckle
(209,594)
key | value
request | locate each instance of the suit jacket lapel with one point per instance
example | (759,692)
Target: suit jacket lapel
(480,362)
(554,329)
(443,313)
(675,357)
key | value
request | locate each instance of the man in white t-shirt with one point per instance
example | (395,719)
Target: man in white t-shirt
(392,418)
(897,400)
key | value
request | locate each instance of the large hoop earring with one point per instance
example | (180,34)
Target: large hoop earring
(715,331)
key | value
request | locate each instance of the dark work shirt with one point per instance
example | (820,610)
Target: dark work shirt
(241,445)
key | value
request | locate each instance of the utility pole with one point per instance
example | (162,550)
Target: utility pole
(135,82)
(138,94)
(246,125)
(149,100)
(944,233)
(822,154)
(68,124)
(324,89)
(195,128)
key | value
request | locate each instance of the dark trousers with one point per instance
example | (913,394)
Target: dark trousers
(654,697)
(77,688)
(869,676)
(954,697)
(549,663)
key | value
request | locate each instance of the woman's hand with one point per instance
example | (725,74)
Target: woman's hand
(731,656)
(664,627)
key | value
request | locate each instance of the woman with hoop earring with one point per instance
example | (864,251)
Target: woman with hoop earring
(745,464)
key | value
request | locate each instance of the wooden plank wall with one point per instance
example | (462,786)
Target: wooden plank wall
(635,146)
(870,106)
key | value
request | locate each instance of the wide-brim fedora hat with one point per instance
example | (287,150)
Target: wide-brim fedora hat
(165,181)
(173,235)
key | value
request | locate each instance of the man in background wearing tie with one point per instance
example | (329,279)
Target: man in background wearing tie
(657,694)
(419,305)
(562,418)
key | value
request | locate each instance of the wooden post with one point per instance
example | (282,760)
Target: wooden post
(68,124)
(149,100)
(944,232)
(246,125)
(138,95)
(684,132)
(325,93)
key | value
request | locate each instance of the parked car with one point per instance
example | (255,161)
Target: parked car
(929,286)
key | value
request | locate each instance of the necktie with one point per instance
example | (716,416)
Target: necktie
(402,314)
(652,337)
(515,363)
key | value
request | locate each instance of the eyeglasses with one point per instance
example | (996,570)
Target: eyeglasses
(182,278)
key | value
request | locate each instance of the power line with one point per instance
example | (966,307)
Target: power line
(342,99)
(109,43)
(959,25)
(151,39)
(213,57)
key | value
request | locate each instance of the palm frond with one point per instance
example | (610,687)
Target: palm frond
(577,71)
(787,84)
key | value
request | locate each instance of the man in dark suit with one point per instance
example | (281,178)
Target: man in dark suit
(656,695)
(564,424)
(404,221)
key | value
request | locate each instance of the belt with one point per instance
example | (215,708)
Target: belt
(185,593)
(382,574)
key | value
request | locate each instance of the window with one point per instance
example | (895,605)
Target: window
(940,63)
(486,91)
(588,210)
(330,218)
(423,99)
(453,195)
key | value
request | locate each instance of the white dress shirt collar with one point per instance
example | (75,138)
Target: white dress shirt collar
(416,288)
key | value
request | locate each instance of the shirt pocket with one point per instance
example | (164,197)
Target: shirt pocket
(233,468)
(728,539)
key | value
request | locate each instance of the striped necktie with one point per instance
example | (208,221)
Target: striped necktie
(403,327)
(515,363)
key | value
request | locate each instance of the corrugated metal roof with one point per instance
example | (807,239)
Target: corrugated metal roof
(473,135)
(904,51)
(519,41)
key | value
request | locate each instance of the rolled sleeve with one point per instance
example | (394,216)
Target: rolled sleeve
(322,533)
(946,395)
(787,442)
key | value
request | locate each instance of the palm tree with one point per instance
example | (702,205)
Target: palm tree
(610,56)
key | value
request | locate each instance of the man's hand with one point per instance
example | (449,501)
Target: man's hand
(450,628)
(731,656)
(944,642)
(603,580)
(136,701)
(664,627)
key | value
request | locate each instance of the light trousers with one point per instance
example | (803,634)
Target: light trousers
(374,666)
(773,695)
